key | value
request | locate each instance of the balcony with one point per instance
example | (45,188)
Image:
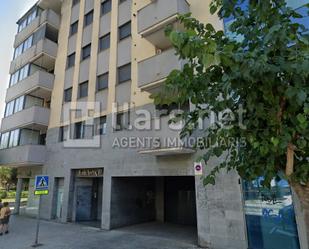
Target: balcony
(153,18)
(26,155)
(153,71)
(55,5)
(42,54)
(40,84)
(171,142)
(35,117)
(47,16)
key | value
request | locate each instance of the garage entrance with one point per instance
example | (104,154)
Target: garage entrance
(156,203)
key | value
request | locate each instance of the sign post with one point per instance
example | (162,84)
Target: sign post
(40,188)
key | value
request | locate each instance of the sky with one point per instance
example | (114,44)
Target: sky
(10,12)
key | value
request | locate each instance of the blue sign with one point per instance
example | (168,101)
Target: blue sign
(41,182)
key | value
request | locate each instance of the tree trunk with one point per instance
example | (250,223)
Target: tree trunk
(303,195)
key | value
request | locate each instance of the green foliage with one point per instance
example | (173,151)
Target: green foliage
(8,177)
(265,71)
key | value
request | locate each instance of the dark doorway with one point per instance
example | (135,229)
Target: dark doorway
(179,199)
(89,199)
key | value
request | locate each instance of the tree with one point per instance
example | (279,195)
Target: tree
(263,71)
(8,177)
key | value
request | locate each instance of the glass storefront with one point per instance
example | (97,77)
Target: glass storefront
(270,216)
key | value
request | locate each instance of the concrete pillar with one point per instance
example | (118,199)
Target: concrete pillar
(19,189)
(160,199)
(68,196)
(106,205)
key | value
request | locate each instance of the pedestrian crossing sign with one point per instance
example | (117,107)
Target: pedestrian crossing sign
(41,182)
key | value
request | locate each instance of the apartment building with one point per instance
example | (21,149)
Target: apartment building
(78,110)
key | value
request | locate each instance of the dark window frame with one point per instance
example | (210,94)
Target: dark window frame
(122,37)
(107,3)
(101,42)
(84,57)
(90,21)
(81,93)
(65,100)
(126,79)
(69,62)
(105,86)
(73,31)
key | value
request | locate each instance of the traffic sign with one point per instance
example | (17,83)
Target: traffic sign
(198,168)
(41,185)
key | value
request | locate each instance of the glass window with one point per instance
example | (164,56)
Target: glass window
(68,95)
(28,137)
(31,16)
(104,42)
(74,28)
(9,109)
(86,52)
(88,18)
(14,78)
(19,104)
(22,25)
(4,140)
(122,121)
(14,138)
(102,81)
(124,73)
(79,130)
(63,133)
(83,90)
(125,31)
(100,126)
(270,216)
(106,7)
(71,60)
(18,51)
(31,101)
(28,43)
(24,72)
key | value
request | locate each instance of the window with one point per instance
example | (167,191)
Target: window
(14,78)
(4,140)
(122,1)
(27,19)
(19,104)
(122,121)
(68,95)
(124,73)
(102,81)
(63,133)
(79,131)
(75,2)
(14,138)
(83,90)
(100,126)
(74,28)
(23,47)
(104,42)
(106,7)
(125,31)
(9,109)
(28,136)
(88,18)
(31,101)
(86,52)
(71,60)
(20,75)
(28,43)
(24,72)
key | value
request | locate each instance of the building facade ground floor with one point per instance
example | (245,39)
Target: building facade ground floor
(115,188)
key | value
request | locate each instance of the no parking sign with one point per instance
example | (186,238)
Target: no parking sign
(198,168)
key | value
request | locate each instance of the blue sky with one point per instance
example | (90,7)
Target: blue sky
(10,12)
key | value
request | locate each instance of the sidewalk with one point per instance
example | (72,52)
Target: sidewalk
(71,236)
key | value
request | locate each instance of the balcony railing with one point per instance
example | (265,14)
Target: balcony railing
(35,117)
(24,155)
(153,18)
(43,54)
(40,84)
(154,70)
(47,16)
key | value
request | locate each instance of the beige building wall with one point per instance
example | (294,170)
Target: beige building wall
(140,49)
